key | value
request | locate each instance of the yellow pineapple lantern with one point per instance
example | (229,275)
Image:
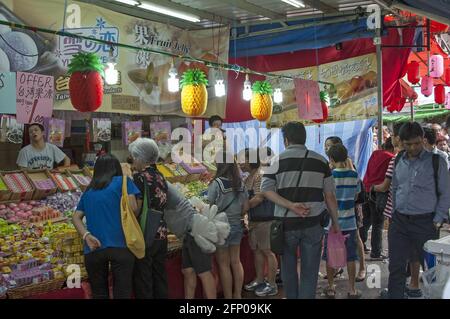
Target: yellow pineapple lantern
(194,96)
(261,103)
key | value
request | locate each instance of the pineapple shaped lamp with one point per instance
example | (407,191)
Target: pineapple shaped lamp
(86,82)
(261,102)
(194,96)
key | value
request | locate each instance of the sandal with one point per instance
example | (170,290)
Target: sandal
(337,273)
(330,292)
(358,295)
(361,276)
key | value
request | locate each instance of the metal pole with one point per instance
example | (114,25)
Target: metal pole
(377,41)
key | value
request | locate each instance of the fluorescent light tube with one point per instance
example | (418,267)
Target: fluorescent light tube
(129,2)
(294,3)
(169,12)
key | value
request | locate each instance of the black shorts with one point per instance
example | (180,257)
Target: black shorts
(193,257)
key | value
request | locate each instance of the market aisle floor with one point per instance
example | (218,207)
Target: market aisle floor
(341,281)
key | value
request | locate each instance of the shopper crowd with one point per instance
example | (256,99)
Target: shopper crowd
(405,186)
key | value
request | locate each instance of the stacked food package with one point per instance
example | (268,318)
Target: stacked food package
(32,212)
(19,185)
(32,254)
(64,181)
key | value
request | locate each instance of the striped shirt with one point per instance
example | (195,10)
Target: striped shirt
(389,173)
(316,179)
(347,188)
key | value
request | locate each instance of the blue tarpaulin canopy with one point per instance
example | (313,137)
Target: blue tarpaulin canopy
(309,37)
(356,135)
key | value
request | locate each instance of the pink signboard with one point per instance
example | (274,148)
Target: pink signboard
(307,96)
(34,97)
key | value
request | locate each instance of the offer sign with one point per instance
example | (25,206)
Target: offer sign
(34,97)
(307,95)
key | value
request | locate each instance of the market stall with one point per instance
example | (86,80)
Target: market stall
(38,242)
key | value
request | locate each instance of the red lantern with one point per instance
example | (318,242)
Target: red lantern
(439,94)
(323,103)
(413,72)
(447,76)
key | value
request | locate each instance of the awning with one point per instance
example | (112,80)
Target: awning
(311,37)
(433,9)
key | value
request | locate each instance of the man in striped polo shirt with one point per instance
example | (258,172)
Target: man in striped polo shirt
(302,190)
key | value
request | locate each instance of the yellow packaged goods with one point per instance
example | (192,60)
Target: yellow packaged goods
(164,170)
(5,194)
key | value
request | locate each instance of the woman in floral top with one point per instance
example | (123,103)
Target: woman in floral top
(150,277)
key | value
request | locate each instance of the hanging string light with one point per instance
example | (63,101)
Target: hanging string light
(220,87)
(278,96)
(111,74)
(173,83)
(247,92)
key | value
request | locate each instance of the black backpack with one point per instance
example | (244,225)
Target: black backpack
(435,160)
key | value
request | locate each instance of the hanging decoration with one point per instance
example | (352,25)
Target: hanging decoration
(194,96)
(436,65)
(261,103)
(324,104)
(86,83)
(413,72)
(426,85)
(447,77)
(439,94)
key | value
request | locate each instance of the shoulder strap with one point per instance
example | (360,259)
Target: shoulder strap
(299,178)
(435,171)
(144,213)
(229,204)
(398,157)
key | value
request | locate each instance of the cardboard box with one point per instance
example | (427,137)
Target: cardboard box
(5,193)
(37,177)
(82,177)
(64,181)
(21,189)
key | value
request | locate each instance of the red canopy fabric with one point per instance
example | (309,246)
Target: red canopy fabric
(394,67)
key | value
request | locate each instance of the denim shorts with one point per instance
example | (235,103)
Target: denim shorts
(351,246)
(236,233)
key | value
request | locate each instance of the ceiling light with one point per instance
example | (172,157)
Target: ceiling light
(169,12)
(129,2)
(295,3)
